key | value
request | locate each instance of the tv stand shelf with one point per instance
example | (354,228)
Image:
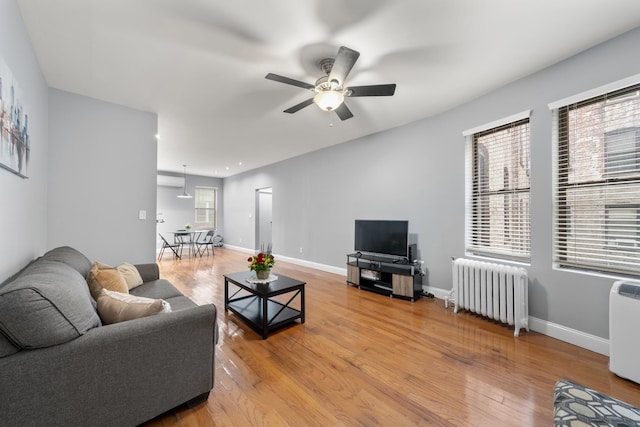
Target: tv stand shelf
(384,275)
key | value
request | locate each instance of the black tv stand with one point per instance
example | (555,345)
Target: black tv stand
(385,275)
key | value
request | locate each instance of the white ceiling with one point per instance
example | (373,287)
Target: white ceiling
(200,64)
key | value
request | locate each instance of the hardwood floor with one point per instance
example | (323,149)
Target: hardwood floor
(365,359)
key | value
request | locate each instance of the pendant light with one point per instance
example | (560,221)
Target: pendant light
(184,194)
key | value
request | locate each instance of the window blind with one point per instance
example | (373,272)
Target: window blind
(597,183)
(498,220)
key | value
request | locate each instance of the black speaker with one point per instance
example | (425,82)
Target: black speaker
(412,253)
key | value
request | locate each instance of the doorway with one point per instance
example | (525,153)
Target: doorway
(263,217)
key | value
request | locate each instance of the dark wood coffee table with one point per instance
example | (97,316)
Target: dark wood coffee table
(254,303)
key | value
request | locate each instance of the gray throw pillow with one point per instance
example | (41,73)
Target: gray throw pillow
(47,304)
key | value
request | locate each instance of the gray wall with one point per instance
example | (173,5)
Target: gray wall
(23,202)
(417,172)
(177,212)
(102,172)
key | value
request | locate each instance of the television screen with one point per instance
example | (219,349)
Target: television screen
(382,236)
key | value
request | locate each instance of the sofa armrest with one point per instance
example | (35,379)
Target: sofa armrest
(148,272)
(120,374)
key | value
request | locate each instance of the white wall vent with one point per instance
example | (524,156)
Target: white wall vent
(170,181)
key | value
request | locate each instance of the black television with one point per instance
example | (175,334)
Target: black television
(385,237)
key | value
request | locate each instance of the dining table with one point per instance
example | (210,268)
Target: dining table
(188,238)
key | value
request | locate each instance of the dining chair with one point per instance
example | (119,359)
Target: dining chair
(183,238)
(175,248)
(203,245)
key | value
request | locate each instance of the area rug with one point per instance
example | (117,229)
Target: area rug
(578,406)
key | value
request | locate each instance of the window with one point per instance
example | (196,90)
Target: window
(623,233)
(621,150)
(206,207)
(498,191)
(597,182)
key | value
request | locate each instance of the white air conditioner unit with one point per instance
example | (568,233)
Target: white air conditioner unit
(170,181)
(624,330)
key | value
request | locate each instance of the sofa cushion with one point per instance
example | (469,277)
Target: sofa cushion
(130,274)
(71,257)
(180,303)
(47,304)
(157,289)
(115,307)
(103,276)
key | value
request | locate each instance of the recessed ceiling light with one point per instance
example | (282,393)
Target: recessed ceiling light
(239,163)
(227,168)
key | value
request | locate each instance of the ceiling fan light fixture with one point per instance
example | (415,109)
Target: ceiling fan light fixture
(184,194)
(328,100)
(330,89)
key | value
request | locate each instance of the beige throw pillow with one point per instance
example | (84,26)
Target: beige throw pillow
(102,276)
(114,307)
(131,275)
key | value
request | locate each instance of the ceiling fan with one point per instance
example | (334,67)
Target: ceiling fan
(330,90)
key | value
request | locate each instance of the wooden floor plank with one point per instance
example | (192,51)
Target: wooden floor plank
(366,359)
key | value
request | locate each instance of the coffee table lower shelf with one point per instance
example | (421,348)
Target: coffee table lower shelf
(250,308)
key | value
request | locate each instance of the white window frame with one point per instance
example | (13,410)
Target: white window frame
(581,240)
(517,246)
(209,212)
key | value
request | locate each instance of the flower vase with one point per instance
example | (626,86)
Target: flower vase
(262,274)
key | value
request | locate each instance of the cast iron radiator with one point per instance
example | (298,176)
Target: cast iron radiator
(496,291)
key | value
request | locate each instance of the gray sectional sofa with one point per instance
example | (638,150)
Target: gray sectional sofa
(59,366)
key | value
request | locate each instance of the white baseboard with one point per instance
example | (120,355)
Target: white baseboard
(317,266)
(560,332)
(302,262)
(239,249)
(572,336)
(553,330)
(437,292)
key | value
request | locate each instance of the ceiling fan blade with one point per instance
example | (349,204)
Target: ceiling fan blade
(373,90)
(300,106)
(288,81)
(344,62)
(343,112)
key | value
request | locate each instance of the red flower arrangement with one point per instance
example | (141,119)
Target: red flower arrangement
(262,261)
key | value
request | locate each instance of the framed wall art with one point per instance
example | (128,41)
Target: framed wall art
(15,147)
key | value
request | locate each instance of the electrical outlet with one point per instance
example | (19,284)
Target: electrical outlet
(300,250)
